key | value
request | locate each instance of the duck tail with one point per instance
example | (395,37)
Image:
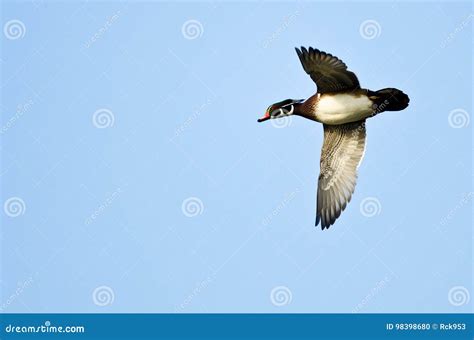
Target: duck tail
(389,99)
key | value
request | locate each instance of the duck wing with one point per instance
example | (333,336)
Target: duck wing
(342,151)
(328,72)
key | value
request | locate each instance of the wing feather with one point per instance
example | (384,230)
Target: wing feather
(328,72)
(341,154)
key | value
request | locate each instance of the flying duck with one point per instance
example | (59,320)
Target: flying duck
(342,106)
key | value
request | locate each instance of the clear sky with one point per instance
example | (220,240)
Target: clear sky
(135,178)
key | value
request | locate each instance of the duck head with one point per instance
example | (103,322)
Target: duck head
(281,109)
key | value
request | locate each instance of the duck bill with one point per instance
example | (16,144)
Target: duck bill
(264,118)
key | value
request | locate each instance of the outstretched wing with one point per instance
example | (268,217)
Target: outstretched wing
(341,154)
(328,72)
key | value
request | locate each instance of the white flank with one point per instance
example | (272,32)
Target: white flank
(342,108)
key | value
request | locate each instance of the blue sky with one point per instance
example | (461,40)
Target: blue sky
(136,179)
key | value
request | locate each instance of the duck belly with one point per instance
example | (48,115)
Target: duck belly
(335,109)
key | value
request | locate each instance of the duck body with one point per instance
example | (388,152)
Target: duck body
(338,108)
(342,106)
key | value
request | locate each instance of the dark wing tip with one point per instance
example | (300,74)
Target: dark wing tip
(317,220)
(310,50)
(326,220)
(324,224)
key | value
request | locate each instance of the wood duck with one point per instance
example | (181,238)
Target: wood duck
(342,106)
